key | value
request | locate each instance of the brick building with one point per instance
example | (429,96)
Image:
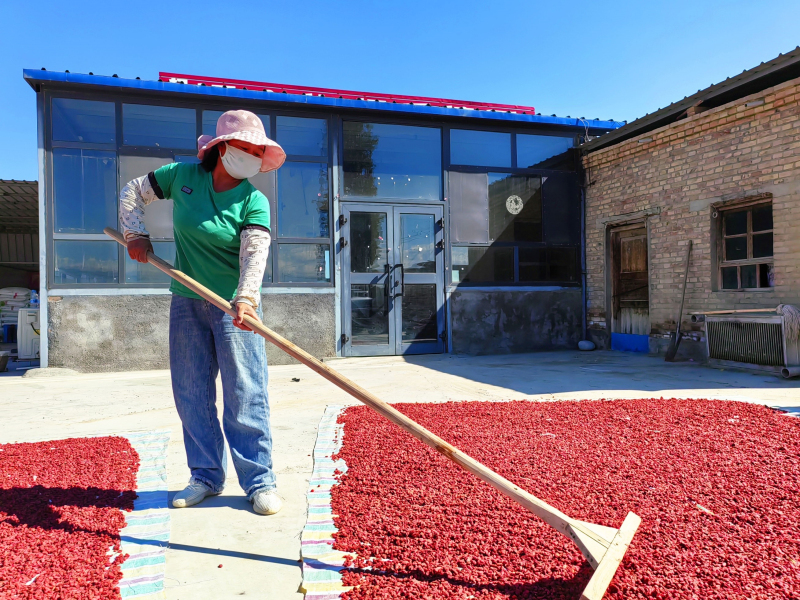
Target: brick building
(720,168)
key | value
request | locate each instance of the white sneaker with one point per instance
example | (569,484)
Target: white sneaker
(267,502)
(192,494)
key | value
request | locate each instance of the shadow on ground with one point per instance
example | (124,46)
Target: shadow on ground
(569,371)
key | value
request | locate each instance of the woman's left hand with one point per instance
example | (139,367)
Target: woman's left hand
(242,309)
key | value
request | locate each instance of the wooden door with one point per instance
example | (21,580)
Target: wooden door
(630,301)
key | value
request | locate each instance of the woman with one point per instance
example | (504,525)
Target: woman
(222,236)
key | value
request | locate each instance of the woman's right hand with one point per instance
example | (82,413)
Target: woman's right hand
(138,249)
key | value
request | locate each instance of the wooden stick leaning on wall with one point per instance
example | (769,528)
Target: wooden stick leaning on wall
(603,547)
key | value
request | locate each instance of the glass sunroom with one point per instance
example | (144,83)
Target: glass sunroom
(400,225)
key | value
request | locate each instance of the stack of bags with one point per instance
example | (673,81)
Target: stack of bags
(11,300)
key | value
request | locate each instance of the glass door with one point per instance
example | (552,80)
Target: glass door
(393,291)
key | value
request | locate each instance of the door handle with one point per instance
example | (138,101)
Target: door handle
(402,280)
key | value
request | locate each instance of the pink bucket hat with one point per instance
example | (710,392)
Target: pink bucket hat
(247,127)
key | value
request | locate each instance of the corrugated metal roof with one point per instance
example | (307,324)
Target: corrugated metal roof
(19,206)
(37,78)
(783,68)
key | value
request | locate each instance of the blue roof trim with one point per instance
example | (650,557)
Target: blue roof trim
(33,76)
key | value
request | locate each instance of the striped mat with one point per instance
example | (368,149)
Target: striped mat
(321,563)
(146,534)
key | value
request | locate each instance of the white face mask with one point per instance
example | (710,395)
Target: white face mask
(239,164)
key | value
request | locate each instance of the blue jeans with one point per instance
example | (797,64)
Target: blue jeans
(203,342)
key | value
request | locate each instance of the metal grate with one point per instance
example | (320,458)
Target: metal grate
(752,342)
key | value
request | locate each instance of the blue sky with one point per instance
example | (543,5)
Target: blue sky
(615,60)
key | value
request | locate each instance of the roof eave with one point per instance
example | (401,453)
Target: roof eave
(36,78)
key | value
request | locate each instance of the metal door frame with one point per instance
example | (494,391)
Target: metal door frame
(393,211)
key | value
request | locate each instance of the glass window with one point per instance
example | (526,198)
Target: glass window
(210,118)
(84,190)
(158,214)
(303,200)
(562,264)
(369,310)
(368,242)
(532,265)
(302,136)
(480,148)
(87,121)
(417,239)
(304,263)
(392,161)
(481,264)
(159,126)
(747,237)
(762,245)
(136,272)
(543,151)
(268,271)
(78,261)
(419,313)
(515,208)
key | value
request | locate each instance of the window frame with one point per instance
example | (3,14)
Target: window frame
(120,150)
(513,170)
(722,261)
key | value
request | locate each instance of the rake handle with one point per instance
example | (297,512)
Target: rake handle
(541,509)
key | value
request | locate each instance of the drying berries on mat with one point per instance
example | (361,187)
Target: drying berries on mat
(60,517)
(716,485)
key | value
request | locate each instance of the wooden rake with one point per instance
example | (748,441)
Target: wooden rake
(603,547)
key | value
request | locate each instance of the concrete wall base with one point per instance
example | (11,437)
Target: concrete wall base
(492,322)
(131,332)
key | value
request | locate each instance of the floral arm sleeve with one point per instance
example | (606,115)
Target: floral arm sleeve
(253,254)
(132,199)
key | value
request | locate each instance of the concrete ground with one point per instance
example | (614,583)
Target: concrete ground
(260,554)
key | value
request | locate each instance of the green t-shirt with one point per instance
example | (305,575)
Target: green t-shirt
(207,225)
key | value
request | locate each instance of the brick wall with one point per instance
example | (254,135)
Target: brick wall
(723,154)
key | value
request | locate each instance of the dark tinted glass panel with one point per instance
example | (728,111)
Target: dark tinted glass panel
(303,200)
(730,278)
(159,126)
(480,148)
(736,223)
(515,208)
(136,272)
(766,277)
(368,243)
(298,135)
(532,265)
(210,118)
(762,245)
(85,190)
(157,215)
(749,276)
(417,243)
(563,265)
(86,262)
(419,313)
(86,121)
(268,271)
(542,151)
(736,248)
(392,161)
(369,310)
(762,218)
(304,263)
(483,265)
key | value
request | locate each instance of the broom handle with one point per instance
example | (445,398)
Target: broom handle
(683,294)
(541,509)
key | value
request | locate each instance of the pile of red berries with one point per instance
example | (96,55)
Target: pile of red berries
(717,485)
(60,517)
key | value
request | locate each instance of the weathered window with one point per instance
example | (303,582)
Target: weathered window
(746,248)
